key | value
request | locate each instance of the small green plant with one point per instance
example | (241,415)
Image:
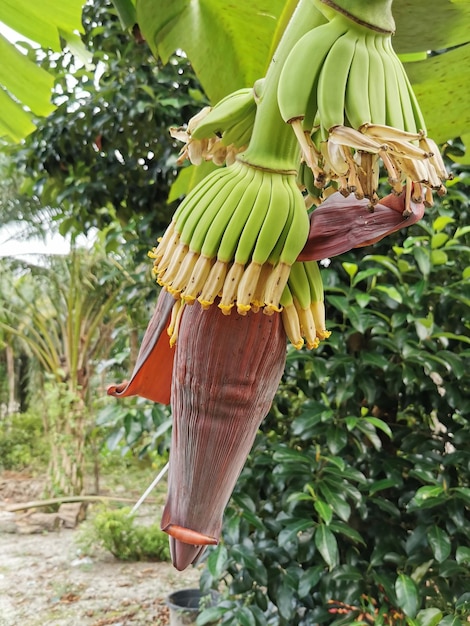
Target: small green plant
(116,531)
(22,443)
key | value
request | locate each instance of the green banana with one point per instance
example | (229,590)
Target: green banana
(214,193)
(187,205)
(299,287)
(307,326)
(409,122)
(231,236)
(257,300)
(412,122)
(357,107)
(227,112)
(418,115)
(394,113)
(209,236)
(299,284)
(333,80)
(239,134)
(273,224)
(315,281)
(276,251)
(175,269)
(297,87)
(292,245)
(299,229)
(222,199)
(376,83)
(317,306)
(254,222)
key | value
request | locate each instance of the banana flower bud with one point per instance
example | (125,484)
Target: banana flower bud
(223,373)
(226,370)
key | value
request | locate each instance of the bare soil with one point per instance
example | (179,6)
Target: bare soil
(45,580)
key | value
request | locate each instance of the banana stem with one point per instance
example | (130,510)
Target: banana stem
(373,14)
(273,143)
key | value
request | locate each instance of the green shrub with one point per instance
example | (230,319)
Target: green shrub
(117,532)
(354,505)
(22,442)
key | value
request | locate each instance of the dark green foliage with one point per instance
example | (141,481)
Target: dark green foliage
(137,425)
(22,443)
(354,506)
(105,154)
(117,532)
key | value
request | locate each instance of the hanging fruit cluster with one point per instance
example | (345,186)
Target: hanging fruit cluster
(335,106)
(337,109)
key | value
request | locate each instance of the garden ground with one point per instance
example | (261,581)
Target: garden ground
(45,579)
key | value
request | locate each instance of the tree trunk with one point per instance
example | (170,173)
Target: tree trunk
(12,406)
(66,417)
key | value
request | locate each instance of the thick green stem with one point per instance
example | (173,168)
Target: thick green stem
(373,14)
(273,143)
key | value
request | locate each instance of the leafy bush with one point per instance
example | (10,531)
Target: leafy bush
(22,442)
(138,426)
(354,505)
(117,532)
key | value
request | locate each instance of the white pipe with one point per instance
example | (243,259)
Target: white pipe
(149,489)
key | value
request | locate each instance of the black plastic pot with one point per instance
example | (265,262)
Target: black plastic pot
(184,605)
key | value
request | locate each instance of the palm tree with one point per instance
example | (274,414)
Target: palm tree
(63,313)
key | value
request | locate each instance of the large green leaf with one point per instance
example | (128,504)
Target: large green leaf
(23,82)
(227,43)
(442,86)
(430,24)
(30,84)
(15,122)
(41,21)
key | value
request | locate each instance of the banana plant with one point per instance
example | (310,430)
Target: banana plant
(238,263)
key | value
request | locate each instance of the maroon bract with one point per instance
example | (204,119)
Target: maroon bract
(153,370)
(226,373)
(342,223)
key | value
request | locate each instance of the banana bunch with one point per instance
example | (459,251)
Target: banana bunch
(350,103)
(218,133)
(234,237)
(303,312)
